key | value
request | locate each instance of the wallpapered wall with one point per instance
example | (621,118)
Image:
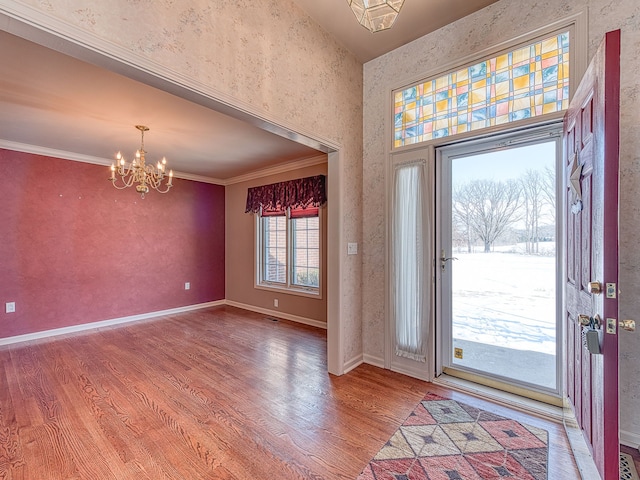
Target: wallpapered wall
(265,55)
(499,22)
(75,250)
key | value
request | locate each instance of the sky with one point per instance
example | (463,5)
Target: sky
(503,164)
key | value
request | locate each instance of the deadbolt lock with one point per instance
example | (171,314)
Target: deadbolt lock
(628,325)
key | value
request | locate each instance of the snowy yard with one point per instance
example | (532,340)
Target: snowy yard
(505,299)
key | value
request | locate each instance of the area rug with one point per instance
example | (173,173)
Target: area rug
(444,439)
(627,468)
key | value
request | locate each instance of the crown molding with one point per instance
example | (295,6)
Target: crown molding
(198,178)
(79,157)
(52,152)
(277,169)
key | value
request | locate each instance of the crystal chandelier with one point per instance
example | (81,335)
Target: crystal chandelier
(138,172)
(376,15)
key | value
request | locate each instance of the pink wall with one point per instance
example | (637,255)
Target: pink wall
(75,250)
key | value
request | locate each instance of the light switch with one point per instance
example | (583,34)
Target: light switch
(352,249)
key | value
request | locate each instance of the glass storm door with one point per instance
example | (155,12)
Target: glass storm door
(498,261)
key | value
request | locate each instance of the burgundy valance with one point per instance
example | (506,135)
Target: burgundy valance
(299,193)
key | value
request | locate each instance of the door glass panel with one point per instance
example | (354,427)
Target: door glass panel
(503,275)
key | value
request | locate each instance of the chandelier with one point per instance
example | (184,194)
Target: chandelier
(376,15)
(138,172)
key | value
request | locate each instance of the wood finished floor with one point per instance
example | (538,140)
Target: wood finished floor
(216,394)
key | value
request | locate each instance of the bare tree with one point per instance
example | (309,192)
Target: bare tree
(549,189)
(488,207)
(462,205)
(533,196)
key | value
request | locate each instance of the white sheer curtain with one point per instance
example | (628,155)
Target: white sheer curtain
(411,259)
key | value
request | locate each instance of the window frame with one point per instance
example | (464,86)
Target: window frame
(451,114)
(288,287)
(576,25)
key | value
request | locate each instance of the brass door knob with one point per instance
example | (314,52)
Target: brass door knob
(584,320)
(595,288)
(628,325)
(587,321)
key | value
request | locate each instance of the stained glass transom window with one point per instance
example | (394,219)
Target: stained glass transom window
(528,82)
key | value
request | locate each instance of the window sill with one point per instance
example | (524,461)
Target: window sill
(301,292)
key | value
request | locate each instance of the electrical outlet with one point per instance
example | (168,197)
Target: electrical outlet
(187,285)
(275,302)
(10,307)
(457,352)
(352,249)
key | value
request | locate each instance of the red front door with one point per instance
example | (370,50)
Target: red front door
(591,148)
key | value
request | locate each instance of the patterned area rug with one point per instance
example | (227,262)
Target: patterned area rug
(447,440)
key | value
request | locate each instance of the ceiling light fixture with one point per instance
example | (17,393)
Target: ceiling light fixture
(146,176)
(376,15)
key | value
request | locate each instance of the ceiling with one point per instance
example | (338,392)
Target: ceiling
(416,19)
(58,103)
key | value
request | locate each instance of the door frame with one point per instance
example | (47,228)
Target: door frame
(577,25)
(544,131)
(406,366)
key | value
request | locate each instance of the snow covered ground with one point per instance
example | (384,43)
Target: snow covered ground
(504,299)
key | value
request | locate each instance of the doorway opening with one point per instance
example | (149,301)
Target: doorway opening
(500,245)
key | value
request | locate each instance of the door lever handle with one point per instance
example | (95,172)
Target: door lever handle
(444,259)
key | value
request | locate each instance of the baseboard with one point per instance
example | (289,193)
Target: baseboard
(145,316)
(375,361)
(630,439)
(278,314)
(353,363)
(105,323)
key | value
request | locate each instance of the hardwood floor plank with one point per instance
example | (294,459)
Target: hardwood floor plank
(215,394)
(11,452)
(125,396)
(107,437)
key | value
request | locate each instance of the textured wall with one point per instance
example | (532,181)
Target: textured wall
(75,250)
(240,228)
(266,55)
(499,22)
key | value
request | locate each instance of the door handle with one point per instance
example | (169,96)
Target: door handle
(588,321)
(595,288)
(444,259)
(584,320)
